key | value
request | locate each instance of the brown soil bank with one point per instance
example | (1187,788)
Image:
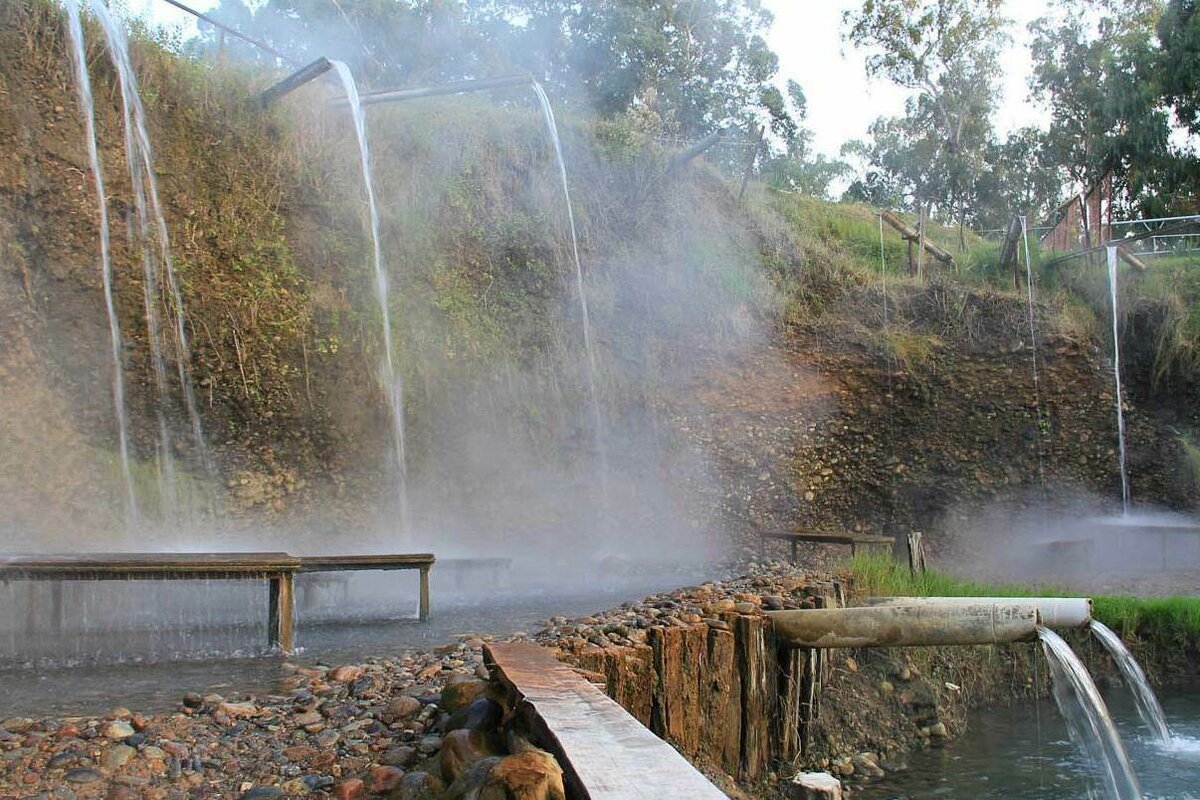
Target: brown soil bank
(750,375)
(925,422)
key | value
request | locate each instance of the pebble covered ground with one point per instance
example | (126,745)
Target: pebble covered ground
(388,727)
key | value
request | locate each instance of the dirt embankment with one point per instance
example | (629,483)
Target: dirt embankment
(923,423)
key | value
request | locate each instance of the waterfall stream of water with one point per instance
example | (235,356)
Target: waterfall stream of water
(389,376)
(1033,345)
(1148,706)
(156,262)
(83,86)
(598,429)
(1112,291)
(1088,720)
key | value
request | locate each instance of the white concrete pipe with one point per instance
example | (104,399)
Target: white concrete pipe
(1060,613)
(966,622)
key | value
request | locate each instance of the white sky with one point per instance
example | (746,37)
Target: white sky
(842,102)
(806,35)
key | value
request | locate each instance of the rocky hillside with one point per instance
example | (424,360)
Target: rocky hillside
(749,375)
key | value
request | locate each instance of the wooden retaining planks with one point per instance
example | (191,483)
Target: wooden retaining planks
(605,753)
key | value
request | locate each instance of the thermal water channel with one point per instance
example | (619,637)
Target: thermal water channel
(1024,753)
(335,631)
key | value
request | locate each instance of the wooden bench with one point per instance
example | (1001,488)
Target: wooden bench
(462,570)
(605,753)
(422,561)
(278,569)
(855,540)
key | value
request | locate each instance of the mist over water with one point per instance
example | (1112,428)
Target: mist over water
(389,376)
(83,85)
(1079,542)
(568,460)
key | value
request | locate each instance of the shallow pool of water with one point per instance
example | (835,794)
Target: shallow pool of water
(1022,753)
(85,684)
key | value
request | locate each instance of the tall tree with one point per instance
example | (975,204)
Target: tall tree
(1178,65)
(1094,69)
(705,63)
(946,52)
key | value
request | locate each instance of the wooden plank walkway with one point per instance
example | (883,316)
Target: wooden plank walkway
(605,753)
(278,569)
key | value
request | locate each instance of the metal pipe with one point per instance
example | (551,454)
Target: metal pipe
(223,27)
(684,156)
(457,87)
(930,625)
(1054,612)
(294,81)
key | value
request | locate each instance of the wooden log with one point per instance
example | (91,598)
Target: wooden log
(1129,258)
(916,552)
(788,714)
(913,235)
(757,670)
(810,698)
(722,703)
(816,786)
(679,660)
(1009,250)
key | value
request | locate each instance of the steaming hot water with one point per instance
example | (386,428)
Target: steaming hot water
(1147,704)
(585,318)
(1024,753)
(1112,290)
(83,86)
(156,261)
(389,376)
(1088,720)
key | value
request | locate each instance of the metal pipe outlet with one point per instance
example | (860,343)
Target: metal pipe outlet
(1060,613)
(966,622)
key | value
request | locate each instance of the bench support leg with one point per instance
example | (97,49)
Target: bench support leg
(281,612)
(424,607)
(795,553)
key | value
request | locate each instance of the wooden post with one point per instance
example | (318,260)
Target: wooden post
(281,611)
(789,717)
(758,140)
(424,608)
(810,694)
(916,552)
(758,687)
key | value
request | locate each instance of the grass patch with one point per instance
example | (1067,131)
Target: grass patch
(1164,622)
